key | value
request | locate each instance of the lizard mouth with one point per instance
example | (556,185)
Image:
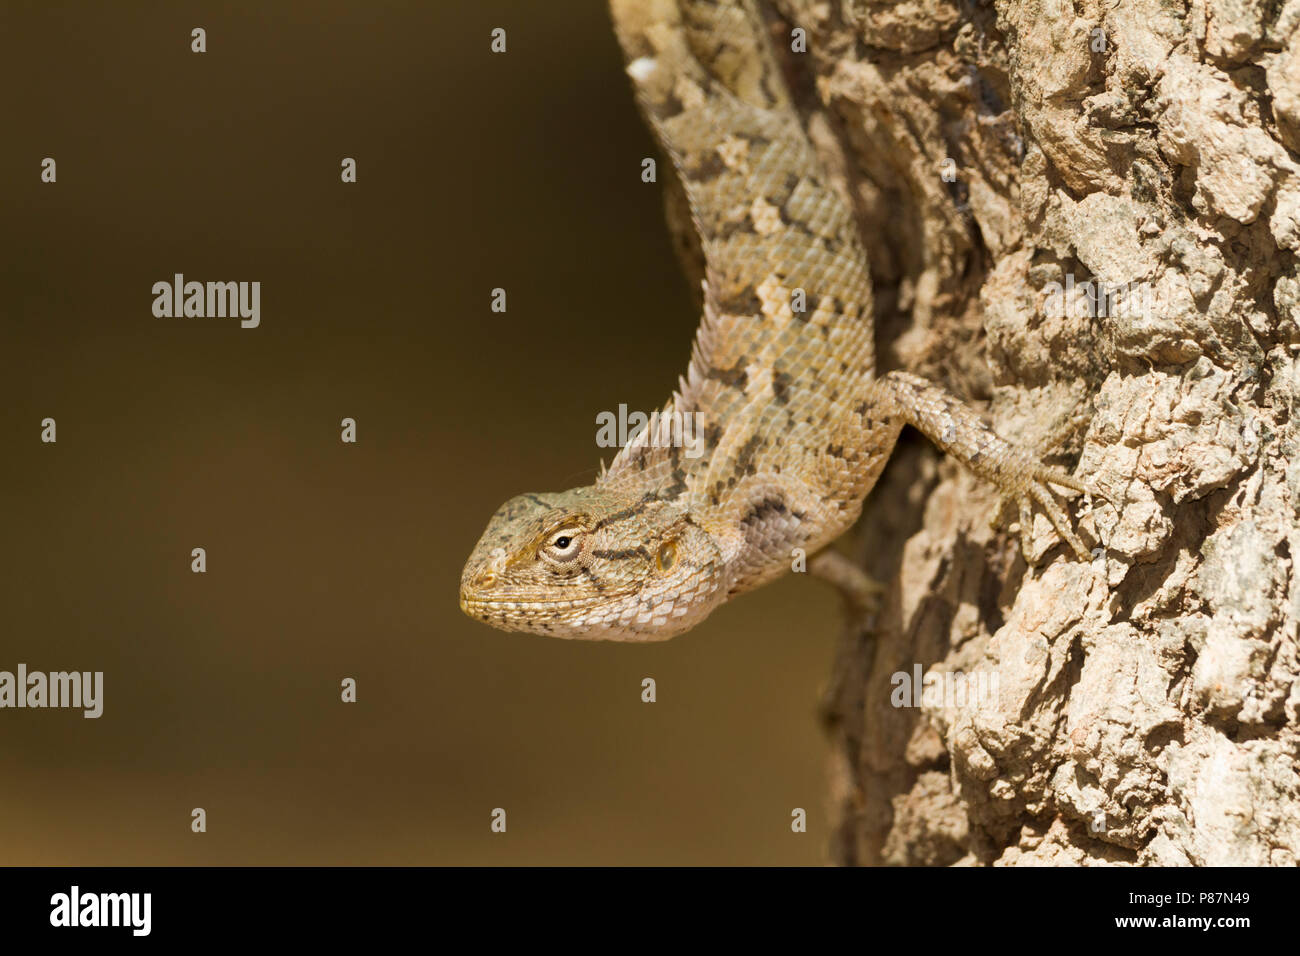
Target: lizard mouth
(519,612)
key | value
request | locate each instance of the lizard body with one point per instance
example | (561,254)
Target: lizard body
(795,424)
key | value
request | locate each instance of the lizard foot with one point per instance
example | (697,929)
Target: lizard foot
(1038,489)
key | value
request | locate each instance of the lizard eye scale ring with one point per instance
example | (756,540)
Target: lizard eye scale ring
(564,546)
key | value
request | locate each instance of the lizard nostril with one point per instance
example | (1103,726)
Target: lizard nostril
(487,579)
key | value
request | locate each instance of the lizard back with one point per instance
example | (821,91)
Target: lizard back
(784,351)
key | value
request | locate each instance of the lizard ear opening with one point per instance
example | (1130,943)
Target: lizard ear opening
(667,556)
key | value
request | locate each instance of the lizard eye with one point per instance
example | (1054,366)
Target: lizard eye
(667,556)
(564,546)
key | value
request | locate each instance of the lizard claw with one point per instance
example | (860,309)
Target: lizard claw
(1038,489)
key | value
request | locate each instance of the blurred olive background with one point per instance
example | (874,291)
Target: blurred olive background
(328,560)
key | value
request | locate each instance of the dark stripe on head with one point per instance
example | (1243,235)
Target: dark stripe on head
(625,513)
(621,553)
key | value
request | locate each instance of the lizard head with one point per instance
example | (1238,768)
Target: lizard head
(592,563)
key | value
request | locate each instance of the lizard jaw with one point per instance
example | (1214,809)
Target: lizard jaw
(626,615)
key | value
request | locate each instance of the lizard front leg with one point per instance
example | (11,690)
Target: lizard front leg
(960,432)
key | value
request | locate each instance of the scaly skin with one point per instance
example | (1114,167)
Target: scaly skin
(796,425)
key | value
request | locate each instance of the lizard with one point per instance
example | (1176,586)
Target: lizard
(795,422)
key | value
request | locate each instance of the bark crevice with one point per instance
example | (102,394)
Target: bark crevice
(1147,705)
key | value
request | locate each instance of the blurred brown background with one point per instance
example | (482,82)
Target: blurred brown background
(328,560)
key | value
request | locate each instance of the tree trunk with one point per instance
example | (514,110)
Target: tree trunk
(1086,215)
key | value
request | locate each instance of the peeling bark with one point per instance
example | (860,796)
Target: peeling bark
(1146,703)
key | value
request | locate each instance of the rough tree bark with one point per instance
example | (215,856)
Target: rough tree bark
(1146,704)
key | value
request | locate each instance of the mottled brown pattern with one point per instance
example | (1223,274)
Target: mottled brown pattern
(797,425)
